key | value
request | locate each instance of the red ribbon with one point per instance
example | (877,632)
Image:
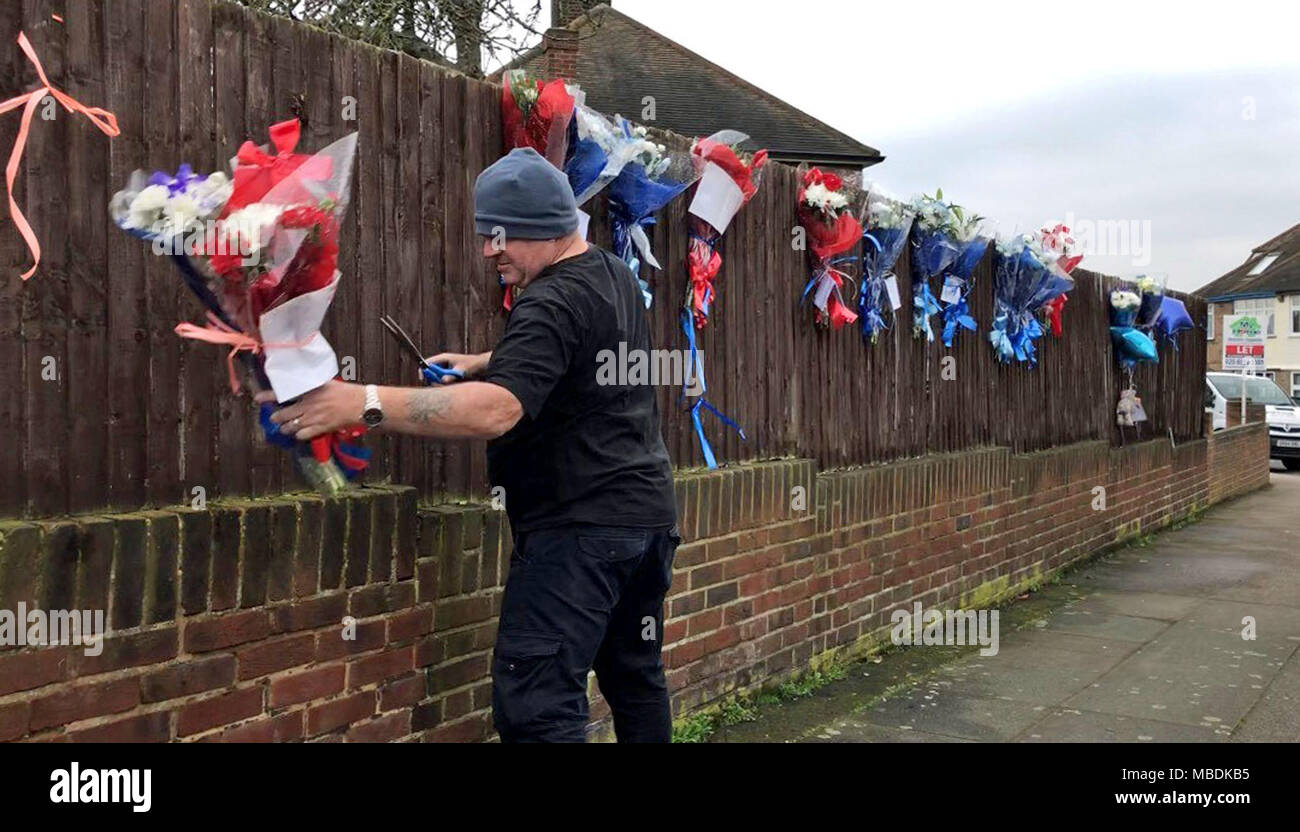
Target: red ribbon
(29,101)
(837,312)
(257,172)
(1054,307)
(330,445)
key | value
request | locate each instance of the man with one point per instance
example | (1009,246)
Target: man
(588,485)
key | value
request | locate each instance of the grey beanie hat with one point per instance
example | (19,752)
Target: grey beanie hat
(526,196)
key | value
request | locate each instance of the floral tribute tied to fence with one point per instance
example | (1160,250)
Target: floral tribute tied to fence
(726,183)
(888,222)
(832,230)
(652,178)
(260,251)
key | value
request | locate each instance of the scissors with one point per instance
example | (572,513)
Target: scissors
(433,373)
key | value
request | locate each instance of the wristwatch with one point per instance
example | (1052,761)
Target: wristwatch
(374,413)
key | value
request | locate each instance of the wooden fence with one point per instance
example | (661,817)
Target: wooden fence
(107,409)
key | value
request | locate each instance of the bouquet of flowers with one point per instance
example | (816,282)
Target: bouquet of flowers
(934,249)
(597,152)
(957,283)
(260,251)
(886,231)
(832,229)
(726,183)
(652,177)
(1057,239)
(1128,301)
(1025,278)
(536,113)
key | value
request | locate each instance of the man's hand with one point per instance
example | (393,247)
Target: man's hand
(324,410)
(469,365)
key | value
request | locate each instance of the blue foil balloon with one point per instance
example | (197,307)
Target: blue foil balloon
(1133,344)
(1173,318)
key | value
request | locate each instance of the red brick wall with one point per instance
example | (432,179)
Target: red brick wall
(226,624)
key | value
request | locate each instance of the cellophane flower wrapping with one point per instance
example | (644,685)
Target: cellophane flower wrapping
(726,182)
(1153,293)
(280,272)
(933,251)
(957,280)
(598,151)
(651,178)
(1056,238)
(1025,278)
(828,218)
(887,224)
(535,113)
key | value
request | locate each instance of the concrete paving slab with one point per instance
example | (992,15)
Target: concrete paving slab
(1137,604)
(1071,725)
(942,712)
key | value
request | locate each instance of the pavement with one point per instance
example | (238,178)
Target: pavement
(1142,645)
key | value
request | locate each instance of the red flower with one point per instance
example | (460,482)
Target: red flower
(726,158)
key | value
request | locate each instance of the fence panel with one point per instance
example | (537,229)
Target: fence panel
(139,417)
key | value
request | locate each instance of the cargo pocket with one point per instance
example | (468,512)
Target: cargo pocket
(612,547)
(526,679)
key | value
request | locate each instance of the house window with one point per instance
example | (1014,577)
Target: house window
(1295,386)
(1259,307)
(1264,262)
(1209,321)
(1295,314)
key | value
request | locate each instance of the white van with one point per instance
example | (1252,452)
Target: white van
(1223,390)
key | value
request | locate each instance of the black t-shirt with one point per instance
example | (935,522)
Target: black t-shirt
(583,452)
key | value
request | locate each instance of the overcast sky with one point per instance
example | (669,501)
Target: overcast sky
(1180,121)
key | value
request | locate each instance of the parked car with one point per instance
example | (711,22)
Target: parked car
(1223,390)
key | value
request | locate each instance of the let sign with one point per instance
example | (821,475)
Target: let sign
(1243,343)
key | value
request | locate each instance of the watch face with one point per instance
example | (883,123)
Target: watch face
(372,417)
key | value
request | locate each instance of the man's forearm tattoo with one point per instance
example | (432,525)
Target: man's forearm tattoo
(423,406)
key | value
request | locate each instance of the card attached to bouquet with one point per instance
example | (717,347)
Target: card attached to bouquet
(717,198)
(952,287)
(824,289)
(298,358)
(891,286)
(584,220)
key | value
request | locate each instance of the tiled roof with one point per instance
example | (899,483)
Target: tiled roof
(621,60)
(1282,275)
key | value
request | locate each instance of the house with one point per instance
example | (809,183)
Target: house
(1267,284)
(626,67)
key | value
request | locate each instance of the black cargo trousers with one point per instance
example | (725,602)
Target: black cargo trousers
(580,598)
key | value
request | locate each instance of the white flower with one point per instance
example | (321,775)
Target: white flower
(253,224)
(1124,299)
(818,196)
(180,214)
(212,194)
(145,211)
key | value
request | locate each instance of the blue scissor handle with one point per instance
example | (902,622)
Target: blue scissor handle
(435,373)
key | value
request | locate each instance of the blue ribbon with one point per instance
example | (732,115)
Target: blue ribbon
(955,315)
(697,368)
(1013,336)
(924,305)
(178,183)
(274,436)
(621,234)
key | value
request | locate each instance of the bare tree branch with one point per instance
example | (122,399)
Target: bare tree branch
(458,33)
